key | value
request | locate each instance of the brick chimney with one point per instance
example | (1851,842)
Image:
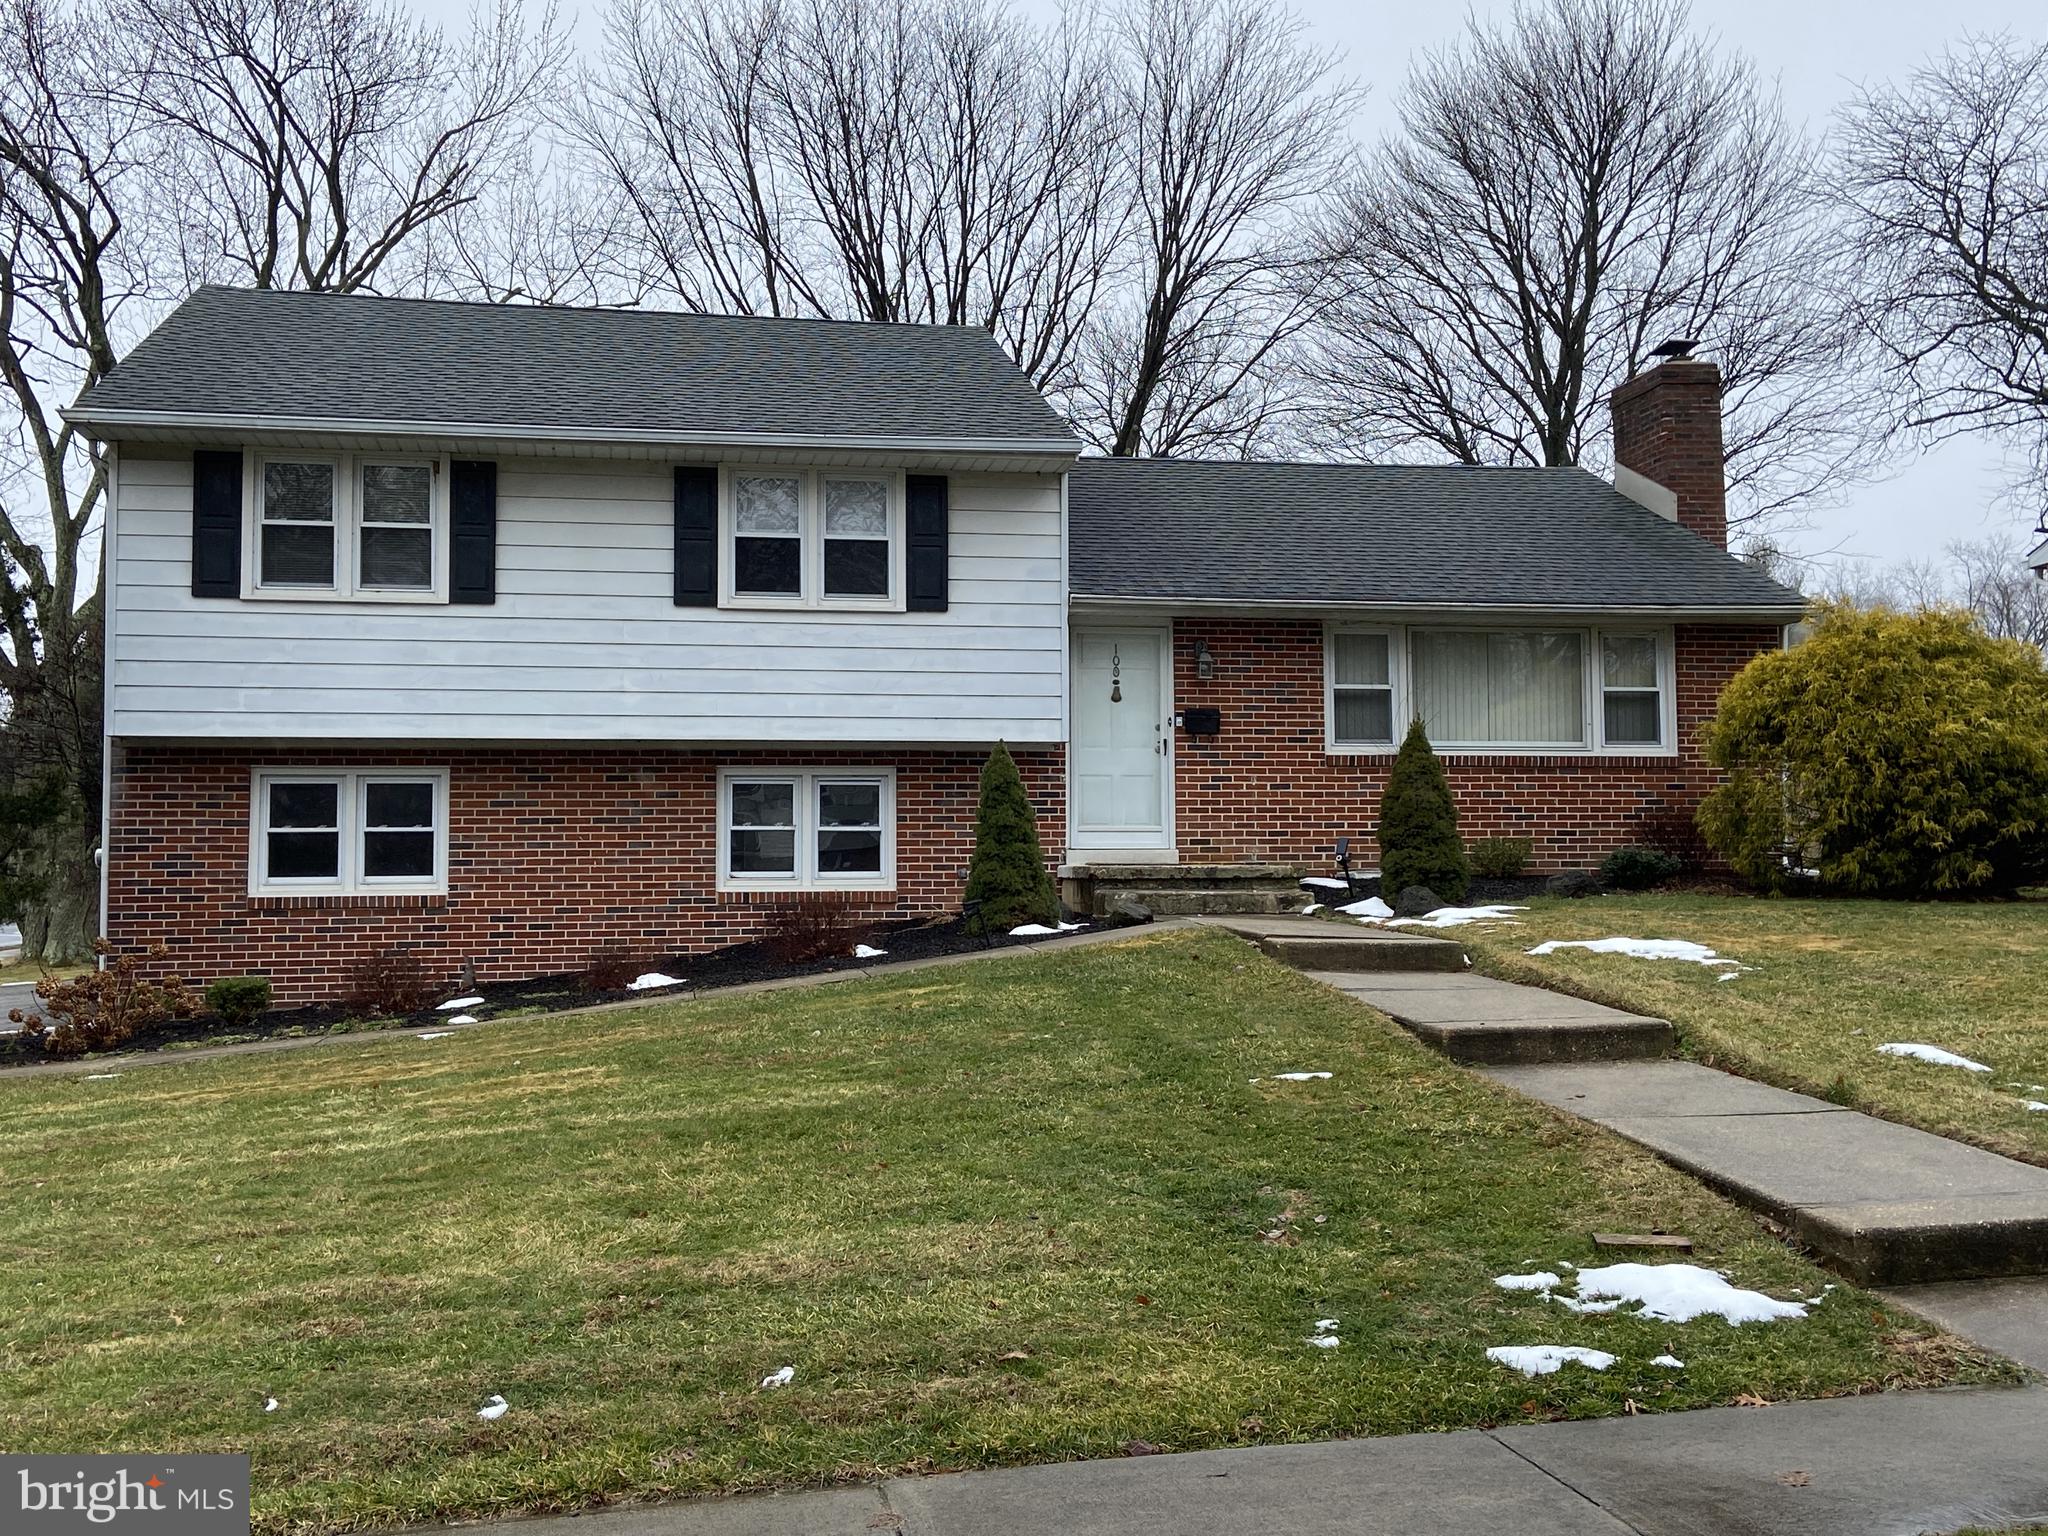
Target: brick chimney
(1667,430)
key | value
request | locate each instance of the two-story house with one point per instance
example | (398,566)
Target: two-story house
(512,634)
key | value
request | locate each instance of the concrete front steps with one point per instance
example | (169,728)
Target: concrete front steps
(1183,890)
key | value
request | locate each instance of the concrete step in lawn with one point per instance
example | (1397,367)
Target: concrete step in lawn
(1483,1022)
(1886,1204)
(1310,944)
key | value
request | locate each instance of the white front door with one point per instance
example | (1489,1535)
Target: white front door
(1121,768)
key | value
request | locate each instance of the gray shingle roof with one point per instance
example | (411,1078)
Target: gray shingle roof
(238,352)
(1448,536)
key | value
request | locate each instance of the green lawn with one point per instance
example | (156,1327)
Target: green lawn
(1833,981)
(1006,1212)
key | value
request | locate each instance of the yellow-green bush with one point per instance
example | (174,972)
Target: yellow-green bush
(1895,754)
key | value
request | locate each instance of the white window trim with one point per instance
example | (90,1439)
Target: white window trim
(349,879)
(1594,742)
(806,877)
(811,534)
(347,525)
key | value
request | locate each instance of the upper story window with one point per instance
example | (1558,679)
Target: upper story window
(1501,690)
(811,538)
(347,526)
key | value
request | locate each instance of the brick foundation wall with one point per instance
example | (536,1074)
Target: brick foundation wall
(1266,788)
(554,853)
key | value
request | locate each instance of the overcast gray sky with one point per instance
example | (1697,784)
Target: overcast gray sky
(1818,52)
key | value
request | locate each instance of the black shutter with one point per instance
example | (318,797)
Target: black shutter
(216,523)
(696,537)
(925,509)
(473,531)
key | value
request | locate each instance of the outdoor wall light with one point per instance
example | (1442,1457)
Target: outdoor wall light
(1205,661)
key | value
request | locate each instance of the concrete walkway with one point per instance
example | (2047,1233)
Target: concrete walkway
(1887,1204)
(1897,1464)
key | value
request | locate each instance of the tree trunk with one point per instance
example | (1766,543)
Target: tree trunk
(60,927)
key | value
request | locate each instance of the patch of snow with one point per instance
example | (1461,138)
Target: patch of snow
(1643,949)
(1678,1293)
(1034,930)
(1670,1293)
(270,1405)
(1455,917)
(1295,1077)
(2036,1106)
(868,952)
(1323,1341)
(101,1077)
(1542,1359)
(1325,1324)
(1728,975)
(1325,882)
(1671,1361)
(495,1408)
(781,1378)
(435,1034)
(461,1002)
(652,980)
(463,1018)
(1933,1054)
(1312,909)
(1370,908)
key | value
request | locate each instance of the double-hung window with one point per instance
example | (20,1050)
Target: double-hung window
(812,538)
(806,829)
(366,526)
(348,831)
(1500,690)
(1362,688)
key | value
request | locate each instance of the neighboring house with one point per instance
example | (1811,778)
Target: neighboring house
(512,634)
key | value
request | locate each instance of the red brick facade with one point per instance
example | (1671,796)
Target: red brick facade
(1267,788)
(553,853)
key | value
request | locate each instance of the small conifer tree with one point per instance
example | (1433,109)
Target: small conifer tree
(1008,875)
(1418,831)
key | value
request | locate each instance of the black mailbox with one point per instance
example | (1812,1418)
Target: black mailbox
(1202,722)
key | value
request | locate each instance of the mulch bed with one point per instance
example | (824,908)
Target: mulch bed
(730,967)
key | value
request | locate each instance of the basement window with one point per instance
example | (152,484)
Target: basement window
(806,830)
(348,831)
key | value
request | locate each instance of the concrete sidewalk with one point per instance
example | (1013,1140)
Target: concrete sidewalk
(1897,1464)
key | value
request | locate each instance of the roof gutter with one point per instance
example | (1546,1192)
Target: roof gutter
(105,423)
(1295,607)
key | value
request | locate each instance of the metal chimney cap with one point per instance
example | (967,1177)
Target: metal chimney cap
(1676,347)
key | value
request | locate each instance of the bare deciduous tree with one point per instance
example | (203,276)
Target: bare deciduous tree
(911,160)
(309,142)
(1573,186)
(1232,131)
(1944,183)
(68,169)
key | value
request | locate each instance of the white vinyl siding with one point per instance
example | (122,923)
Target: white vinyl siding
(585,642)
(1501,689)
